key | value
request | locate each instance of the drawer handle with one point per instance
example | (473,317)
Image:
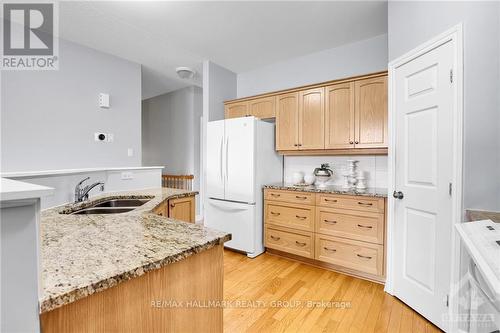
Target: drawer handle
(364,257)
(275,214)
(328,249)
(275,238)
(300,244)
(365,226)
(330,221)
(275,195)
(365,203)
(300,197)
(331,200)
(301,217)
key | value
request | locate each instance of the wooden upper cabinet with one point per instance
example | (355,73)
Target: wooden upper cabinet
(287,120)
(371,113)
(235,110)
(339,116)
(312,119)
(262,108)
(347,116)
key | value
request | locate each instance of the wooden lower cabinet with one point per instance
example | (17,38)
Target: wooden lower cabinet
(300,217)
(182,209)
(334,231)
(293,241)
(361,256)
(179,208)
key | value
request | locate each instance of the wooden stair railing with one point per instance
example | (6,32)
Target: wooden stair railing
(184,182)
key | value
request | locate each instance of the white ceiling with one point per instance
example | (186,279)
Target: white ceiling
(240,36)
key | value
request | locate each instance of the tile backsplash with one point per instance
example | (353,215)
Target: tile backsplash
(374,167)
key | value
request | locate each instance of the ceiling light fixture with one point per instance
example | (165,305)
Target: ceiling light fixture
(185,72)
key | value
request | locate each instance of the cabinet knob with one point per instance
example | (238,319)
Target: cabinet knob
(172,205)
(300,144)
(356,142)
(351,142)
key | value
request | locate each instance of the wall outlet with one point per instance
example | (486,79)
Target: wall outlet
(104,101)
(127,175)
(99,136)
(130,152)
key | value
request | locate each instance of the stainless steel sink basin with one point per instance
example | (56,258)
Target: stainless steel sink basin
(111,206)
(122,203)
(96,210)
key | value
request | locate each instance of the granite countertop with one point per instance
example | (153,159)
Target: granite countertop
(85,254)
(332,189)
(478,215)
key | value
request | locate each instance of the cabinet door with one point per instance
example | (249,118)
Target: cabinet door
(236,110)
(262,107)
(287,117)
(312,119)
(339,116)
(182,209)
(371,113)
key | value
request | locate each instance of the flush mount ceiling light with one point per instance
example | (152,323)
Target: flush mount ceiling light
(185,72)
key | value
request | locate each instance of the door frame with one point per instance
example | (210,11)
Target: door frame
(455,35)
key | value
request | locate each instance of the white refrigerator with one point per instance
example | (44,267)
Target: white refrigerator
(241,157)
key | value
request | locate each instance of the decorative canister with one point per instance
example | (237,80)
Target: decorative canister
(309,179)
(298,178)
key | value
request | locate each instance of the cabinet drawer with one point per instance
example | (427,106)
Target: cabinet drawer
(290,196)
(358,225)
(360,256)
(362,203)
(299,243)
(298,217)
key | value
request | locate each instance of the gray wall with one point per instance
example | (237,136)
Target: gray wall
(221,87)
(171,132)
(358,58)
(48,118)
(412,23)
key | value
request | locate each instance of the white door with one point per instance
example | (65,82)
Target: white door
(424,104)
(215,159)
(234,218)
(240,152)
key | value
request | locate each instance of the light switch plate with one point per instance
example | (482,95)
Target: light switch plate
(130,152)
(104,100)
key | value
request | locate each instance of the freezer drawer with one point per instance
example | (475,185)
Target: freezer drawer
(238,219)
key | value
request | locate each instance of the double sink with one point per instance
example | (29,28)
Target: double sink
(111,206)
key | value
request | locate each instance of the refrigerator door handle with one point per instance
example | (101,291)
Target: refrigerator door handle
(226,208)
(221,146)
(227,159)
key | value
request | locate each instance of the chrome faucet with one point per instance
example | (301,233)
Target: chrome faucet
(82,194)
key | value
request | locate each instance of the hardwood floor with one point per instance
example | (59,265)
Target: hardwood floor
(254,288)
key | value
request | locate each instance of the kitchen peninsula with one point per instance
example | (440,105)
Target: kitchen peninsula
(121,272)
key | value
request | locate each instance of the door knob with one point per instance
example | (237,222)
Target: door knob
(398,195)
